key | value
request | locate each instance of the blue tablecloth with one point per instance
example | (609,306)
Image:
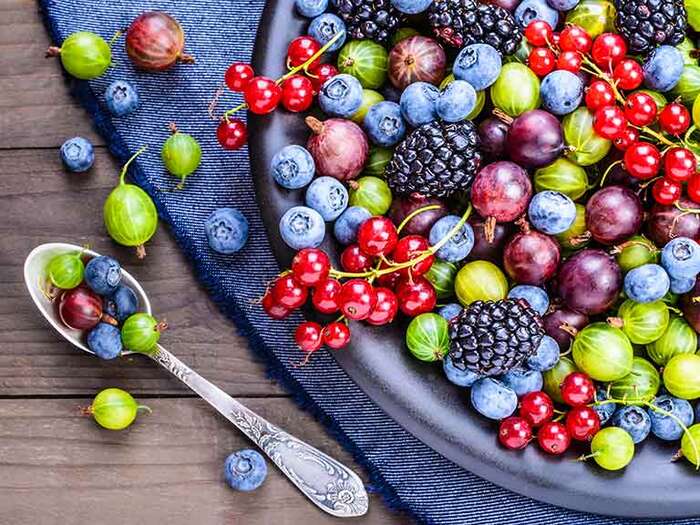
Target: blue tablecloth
(410,476)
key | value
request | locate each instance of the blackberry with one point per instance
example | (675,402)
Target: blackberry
(376,20)
(436,160)
(458,23)
(491,338)
(646,24)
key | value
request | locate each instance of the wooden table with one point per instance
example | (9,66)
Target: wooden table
(56,466)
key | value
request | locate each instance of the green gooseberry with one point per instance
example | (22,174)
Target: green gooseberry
(427,337)
(402,34)
(516,90)
(480,103)
(141,333)
(688,86)
(640,385)
(603,352)
(577,236)
(682,376)
(370,97)
(480,281)
(679,338)
(130,216)
(377,160)
(114,409)
(696,112)
(446,81)
(612,448)
(687,48)
(365,60)
(595,16)
(690,444)
(636,251)
(181,154)
(563,176)
(642,323)
(442,276)
(585,146)
(692,8)
(84,55)
(66,271)
(554,377)
(372,193)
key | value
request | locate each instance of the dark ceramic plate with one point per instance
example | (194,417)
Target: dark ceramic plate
(419,397)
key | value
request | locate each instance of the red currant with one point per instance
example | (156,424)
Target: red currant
(231,134)
(609,122)
(308,336)
(577,389)
(575,38)
(539,33)
(514,433)
(354,260)
(642,160)
(238,75)
(536,408)
(385,309)
(411,247)
(607,50)
(326,296)
(628,74)
(640,109)
(273,309)
(674,118)
(626,139)
(416,295)
(289,293)
(570,61)
(388,280)
(377,236)
(336,335)
(599,94)
(262,95)
(541,60)
(297,93)
(553,438)
(301,49)
(693,188)
(679,164)
(666,191)
(357,298)
(310,266)
(319,73)
(582,423)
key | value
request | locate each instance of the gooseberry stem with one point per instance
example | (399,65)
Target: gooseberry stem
(145,408)
(122,174)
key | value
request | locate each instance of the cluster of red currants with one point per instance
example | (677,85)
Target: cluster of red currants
(561,51)
(536,410)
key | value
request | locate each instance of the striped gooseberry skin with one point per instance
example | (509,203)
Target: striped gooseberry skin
(130,215)
(155,41)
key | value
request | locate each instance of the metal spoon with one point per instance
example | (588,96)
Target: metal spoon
(329,484)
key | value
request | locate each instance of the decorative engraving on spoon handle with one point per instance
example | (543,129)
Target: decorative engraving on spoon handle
(326,482)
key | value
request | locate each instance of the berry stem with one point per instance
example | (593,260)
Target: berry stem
(145,408)
(122,174)
(414,213)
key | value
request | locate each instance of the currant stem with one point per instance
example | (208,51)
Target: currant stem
(122,174)
(607,171)
(414,213)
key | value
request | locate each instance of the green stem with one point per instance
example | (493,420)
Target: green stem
(122,174)
(607,171)
(145,408)
(414,213)
(114,38)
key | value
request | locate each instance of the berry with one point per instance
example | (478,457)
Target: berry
(666,427)
(626,138)
(609,122)
(385,308)
(262,95)
(418,103)
(546,357)
(666,191)
(297,93)
(577,389)
(640,109)
(551,212)
(103,275)
(328,196)
(478,64)
(456,102)
(693,188)
(326,296)
(245,470)
(536,408)
(385,126)
(646,283)
(377,236)
(607,50)
(232,134)
(310,266)
(336,335)
(357,299)
(311,8)
(121,98)
(674,118)
(663,68)
(354,260)
(599,95)
(569,61)
(238,75)
(227,230)
(346,226)
(575,38)
(681,257)
(325,27)
(628,74)
(415,295)
(642,160)
(77,154)
(272,308)
(308,336)
(288,293)
(340,96)
(538,33)
(409,248)
(319,73)
(458,247)
(301,49)
(105,341)
(492,399)
(582,423)
(553,438)
(302,227)
(293,167)
(122,303)
(541,60)
(514,433)
(529,10)
(634,420)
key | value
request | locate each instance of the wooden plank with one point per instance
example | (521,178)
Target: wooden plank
(40,203)
(59,467)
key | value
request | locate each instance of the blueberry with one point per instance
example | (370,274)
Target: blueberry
(493,399)
(328,197)
(529,10)
(458,376)
(681,257)
(105,341)
(311,8)
(634,420)
(450,311)
(77,154)
(551,212)
(122,303)
(418,103)
(561,91)
(293,167)
(663,68)
(459,245)
(521,381)
(563,5)
(546,356)
(456,102)
(682,285)
(103,274)
(340,96)
(665,427)
(245,470)
(227,230)
(606,410)
(324,27)
(302,227)
(646,283)
(535,296)
(121,98)
(384,124)
(478,64)
(345,228)
(411,7)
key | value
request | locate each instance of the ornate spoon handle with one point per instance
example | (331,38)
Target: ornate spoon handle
(329,484)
